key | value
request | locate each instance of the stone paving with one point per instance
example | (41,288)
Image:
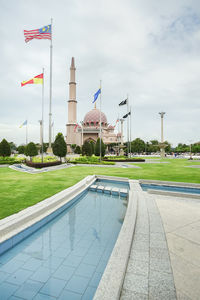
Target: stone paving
(149,274)
(181,219)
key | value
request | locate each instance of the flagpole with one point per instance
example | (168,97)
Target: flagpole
(100,120)
(53,130)
(81,133)
(26,132)
(130,130)
(50,98)
(42,113)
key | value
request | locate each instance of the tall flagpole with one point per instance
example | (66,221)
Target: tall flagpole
(130,131)
(26,132)
(50,99)
(100,120)
(42,113)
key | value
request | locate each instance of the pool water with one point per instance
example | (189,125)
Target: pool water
(66,258)
(112,183)
(179,189)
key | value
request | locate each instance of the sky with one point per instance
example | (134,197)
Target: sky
(148,50)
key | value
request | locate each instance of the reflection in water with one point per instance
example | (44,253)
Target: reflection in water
(72,221)
(95,219)
(95,233)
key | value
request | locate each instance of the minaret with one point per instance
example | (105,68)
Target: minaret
(71,135)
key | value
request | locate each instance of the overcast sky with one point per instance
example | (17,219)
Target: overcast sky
(147,49)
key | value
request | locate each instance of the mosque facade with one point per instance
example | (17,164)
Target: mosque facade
(89,128)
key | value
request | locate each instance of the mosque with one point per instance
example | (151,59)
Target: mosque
(89,128)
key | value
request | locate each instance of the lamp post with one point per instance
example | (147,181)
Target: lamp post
(162,145)
(190,141)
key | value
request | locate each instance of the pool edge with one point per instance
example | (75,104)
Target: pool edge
(112,280)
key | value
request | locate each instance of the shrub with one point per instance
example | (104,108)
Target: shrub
(59,146)
(46,159)
(93,160)
(21,149)
(5,149)
(31,150)
(87,149)
(92,146)
(77,150)
(42,165)
(11,160)
(97,148)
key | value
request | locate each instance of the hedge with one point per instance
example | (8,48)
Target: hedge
(43,165)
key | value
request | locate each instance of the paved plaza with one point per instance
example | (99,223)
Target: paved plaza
(181,219)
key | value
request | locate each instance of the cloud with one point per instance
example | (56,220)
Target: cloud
(145,49)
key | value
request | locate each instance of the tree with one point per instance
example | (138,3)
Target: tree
(196,148)
(87,149)
(168,147)
(92,146)
(77,150)
(31,150)
(73,146)
(137,145)
(21,149)
(97,148)
(5,148)
(13,147)
(153,146)
(182,148)
(59,146)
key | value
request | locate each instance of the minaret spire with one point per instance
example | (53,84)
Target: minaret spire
(72,103)
(72,63)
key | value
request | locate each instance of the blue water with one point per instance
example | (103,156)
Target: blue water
(112,183)
(170,188)
(66,258)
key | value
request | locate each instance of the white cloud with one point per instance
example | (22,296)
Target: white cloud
(147,49)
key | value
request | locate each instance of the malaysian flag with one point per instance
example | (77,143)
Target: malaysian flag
(42,33)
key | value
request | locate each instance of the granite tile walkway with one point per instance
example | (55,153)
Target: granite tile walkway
(149,274)
(181,218)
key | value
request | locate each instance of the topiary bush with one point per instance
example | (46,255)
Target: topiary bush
(5,149)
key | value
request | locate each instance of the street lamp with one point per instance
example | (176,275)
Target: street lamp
(162,145)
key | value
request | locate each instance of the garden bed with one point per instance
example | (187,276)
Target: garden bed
(40,165)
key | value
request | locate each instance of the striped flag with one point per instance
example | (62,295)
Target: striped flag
(35,80)
(25,123)
(75,127)
(41,33)
(116,122)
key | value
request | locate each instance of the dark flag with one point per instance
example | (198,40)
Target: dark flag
(123,102)
(125,116)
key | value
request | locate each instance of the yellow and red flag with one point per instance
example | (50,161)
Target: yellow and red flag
(35,80)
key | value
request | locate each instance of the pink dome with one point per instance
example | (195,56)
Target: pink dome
(93,116)
(111,127)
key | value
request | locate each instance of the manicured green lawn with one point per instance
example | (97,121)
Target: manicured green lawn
(20,190)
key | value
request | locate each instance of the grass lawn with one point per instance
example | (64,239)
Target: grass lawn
(20,190)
